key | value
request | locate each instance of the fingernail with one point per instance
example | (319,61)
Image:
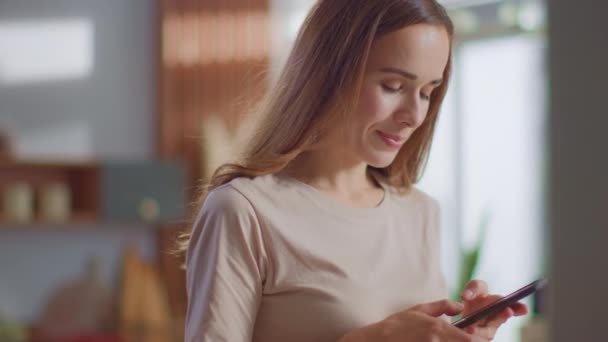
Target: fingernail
(468,294)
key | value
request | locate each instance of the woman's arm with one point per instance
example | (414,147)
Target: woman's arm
(417,324)
(225,269)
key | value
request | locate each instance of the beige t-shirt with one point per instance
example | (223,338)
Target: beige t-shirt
(274,259)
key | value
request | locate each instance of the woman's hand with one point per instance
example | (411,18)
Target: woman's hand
(475,296)
(420,323)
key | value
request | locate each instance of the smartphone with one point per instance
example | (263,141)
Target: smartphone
(501,304)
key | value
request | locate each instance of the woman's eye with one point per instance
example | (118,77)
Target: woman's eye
(393,88)
(425,96)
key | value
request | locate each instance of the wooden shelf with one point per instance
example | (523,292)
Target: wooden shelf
(5,224)
(74,220)
(81,179)
(108,193)
(40,163)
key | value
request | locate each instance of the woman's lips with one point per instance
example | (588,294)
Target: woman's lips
(391,140)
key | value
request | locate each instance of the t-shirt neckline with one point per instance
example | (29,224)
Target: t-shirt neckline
(334,206)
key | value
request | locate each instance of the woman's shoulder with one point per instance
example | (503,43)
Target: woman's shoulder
(241,191)
(424,196)
(415,196)
(225,198)
(255,187)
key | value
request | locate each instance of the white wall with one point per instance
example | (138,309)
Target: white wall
(116,101)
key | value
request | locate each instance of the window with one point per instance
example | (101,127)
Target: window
(488,159)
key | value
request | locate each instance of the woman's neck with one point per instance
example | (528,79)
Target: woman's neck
(348,183)
(331,172)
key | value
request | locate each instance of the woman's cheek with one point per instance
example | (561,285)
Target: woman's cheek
(375,106)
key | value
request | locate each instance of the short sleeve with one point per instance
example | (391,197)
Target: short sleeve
(225,269)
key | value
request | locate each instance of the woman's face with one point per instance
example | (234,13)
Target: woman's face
(403,69)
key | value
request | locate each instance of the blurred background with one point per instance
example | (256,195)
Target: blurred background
(111,112)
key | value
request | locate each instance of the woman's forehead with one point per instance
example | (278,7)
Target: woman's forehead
(419,48)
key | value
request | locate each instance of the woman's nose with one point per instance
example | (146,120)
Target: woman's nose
(411,112)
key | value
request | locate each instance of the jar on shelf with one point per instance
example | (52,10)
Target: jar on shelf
(18,202)
(55,202)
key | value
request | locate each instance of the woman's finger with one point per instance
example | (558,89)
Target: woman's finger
(487,328)
(519,309)
(477,303)
(497,319)
(473,289)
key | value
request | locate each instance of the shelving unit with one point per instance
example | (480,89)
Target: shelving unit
(115,193)
(81,178)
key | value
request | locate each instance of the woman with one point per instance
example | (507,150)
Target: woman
(318,234)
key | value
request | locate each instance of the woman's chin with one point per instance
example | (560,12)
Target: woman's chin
(381,160)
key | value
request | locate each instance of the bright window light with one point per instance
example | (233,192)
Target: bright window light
(34,51)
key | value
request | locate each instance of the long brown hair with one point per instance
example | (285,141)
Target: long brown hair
(320,84)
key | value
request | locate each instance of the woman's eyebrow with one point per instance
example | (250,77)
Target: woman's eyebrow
(407,74)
